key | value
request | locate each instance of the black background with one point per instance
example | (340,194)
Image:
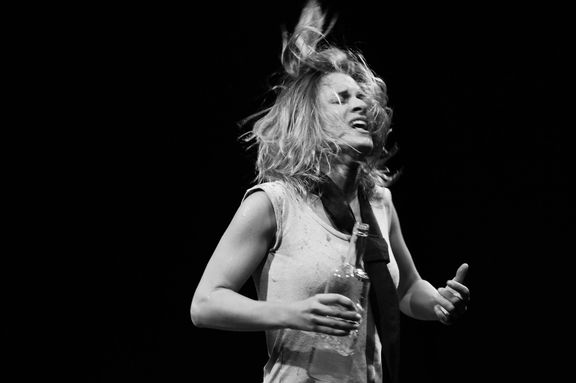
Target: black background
(477,93)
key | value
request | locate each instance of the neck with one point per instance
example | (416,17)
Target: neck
(345,176)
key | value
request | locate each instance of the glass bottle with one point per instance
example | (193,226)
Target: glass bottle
(330,359)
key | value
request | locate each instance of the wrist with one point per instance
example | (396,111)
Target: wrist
(279,314)
(420,300)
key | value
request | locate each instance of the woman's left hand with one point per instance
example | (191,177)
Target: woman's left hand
(457,297)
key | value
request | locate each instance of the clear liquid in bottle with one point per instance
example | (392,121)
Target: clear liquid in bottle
(331,358)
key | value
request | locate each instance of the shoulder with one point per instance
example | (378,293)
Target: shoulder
(275,195)
(260,197)
(256,214)
(280,194)
(272,189)
(273,201)
(381,197)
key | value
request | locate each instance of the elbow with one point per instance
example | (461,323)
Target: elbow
(195,316)
(205,309)
(197,312)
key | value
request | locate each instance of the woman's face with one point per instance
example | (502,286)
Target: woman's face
(345,105)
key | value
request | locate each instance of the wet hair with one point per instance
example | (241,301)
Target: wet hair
(293,144)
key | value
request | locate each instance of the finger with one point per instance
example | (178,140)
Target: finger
(458,301)
(463,290)
(441,314)
(359,309)
(331,331)
(336,324)
(455,294)
(444,299)
(338,312)
(461,273)
(334,299)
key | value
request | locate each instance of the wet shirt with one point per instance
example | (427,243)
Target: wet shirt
(306,250)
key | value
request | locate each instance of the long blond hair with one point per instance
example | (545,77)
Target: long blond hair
(293,144)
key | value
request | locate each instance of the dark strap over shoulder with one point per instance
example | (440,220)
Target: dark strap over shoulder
(383,295)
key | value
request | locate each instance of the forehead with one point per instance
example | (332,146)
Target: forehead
(338,82)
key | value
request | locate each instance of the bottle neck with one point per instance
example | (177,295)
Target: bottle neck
(358,244)
(360,247)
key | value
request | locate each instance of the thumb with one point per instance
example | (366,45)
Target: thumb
(461,273)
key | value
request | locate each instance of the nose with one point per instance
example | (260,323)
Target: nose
(359,105)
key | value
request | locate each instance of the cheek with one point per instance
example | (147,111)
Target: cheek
(336,126)
(334,119)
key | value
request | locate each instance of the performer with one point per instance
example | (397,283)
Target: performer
(318,168)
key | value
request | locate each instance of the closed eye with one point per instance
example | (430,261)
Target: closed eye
(344,96)
(341,97)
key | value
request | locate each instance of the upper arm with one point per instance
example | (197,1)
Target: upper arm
(242,247)
(406,266)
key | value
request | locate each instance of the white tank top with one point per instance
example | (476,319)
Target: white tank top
(297,266)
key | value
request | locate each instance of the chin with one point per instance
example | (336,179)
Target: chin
(362,148)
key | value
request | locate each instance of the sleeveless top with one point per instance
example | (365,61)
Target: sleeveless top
(297,266)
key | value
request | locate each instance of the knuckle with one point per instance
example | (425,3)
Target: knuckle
(316,307)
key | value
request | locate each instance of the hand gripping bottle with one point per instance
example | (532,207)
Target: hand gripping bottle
(330,359)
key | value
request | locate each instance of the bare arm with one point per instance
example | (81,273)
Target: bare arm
(217,303)
(418,298)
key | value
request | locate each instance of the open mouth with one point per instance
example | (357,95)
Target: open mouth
(360,125)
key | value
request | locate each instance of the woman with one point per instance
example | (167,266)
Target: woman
(324,135)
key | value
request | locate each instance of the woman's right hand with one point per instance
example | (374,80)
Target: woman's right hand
(331,314)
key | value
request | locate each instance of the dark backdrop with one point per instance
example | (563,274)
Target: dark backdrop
(477,94)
